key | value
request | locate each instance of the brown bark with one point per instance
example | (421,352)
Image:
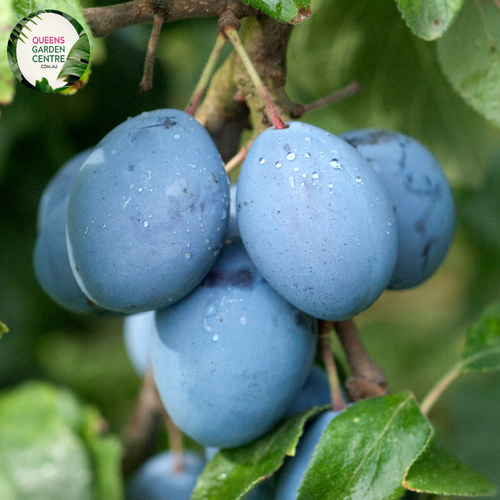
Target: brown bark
(106,20)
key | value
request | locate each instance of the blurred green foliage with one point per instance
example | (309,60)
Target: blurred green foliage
(53,448)
(415,335)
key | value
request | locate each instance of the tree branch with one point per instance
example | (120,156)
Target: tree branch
(106,20)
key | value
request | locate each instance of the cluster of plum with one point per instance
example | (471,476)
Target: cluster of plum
(230,283)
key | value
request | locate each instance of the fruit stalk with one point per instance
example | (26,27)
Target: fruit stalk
(325,329)
(146,83)
(271,108)
(368,380)
(202,85)
(175,443)
(237,159)
(140,434)
(353,88)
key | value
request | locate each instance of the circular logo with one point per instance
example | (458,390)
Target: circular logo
(48,51)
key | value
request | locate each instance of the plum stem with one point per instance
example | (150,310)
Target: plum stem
(175,443)
(273,111)
(353,88)
(368,379)
(143,427)
(237,159)
(204,80)
(146,83)
(325,329)
(435,393)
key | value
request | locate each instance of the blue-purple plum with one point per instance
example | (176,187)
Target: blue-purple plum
(316,392)
(422,198)
(147,212)
(262,491)
(292,472)
(59,187)
(229,359)
(316,220)
(159,479)
(137,330)
(52,267)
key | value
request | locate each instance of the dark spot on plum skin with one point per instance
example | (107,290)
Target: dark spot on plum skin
(175,215)
(167,123)
(243,278)
(420,226)
(130,168)
(374,138)
(433,192)
(402,160)
(302,319)
(426,250)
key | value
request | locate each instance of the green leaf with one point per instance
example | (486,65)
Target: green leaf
(6,76)
(72,7)
(482,346)
(469,54)
(366,450)
(81,49)
(106,452)
(438,472)
(231,473)
(3,329)
(50,447)
(77,60)
(429,19)
(286,11)
(43,86)
(41,456)
(73,67)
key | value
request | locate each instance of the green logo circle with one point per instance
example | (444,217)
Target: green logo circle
(48,51)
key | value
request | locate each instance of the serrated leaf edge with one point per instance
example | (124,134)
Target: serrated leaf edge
(400,407)
(409,396)
(435,492)
(290,451)
(424,448)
